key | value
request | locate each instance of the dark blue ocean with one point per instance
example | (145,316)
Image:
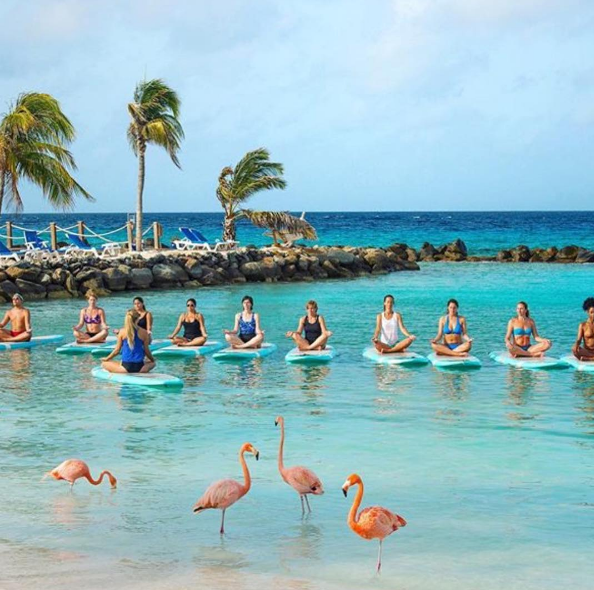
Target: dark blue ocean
(484,232)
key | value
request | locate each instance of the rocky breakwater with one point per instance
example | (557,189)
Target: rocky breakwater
(73,278)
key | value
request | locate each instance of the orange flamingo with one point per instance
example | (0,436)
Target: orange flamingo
(374,522)
(303,480)
(73,469)
(225,492)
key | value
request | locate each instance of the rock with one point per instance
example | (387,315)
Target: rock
(169,274)
(86,273)
(90,285)
(504,256)
(340,256)
(44,279)
(584,256)
(567,254)
(24,271)
(141,278)
(193,285)
(410,265)
(520,254)
(7,290)
(427,252)
(455,251)
(193,268)
(57,292)
(116,278)
(59,276)
(401,250)
(335,272)
(542,255)
(376,258)
(70,283)
(30,290)
(213,276)
(411,254)
(3,276)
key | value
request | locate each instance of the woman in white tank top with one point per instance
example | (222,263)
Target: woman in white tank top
(385,337)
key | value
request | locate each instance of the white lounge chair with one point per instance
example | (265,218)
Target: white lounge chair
(194,240)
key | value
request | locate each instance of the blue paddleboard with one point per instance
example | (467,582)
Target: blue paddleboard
(405,359)
(145,379)
(533,363)
(239,354)
(585,366)
(35,341)
(153,346)
(454,363)
(172,350)
(310,356)
(76,348)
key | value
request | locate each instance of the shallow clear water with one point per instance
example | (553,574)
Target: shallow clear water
(484,232)
(494,469)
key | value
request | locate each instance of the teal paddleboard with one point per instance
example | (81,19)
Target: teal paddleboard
(240,354)
(454,363)
(307,357)
(208,347)
(405,359)
(154,346)
(542,363)
(585,366)
(76,348)
(144,379)
(35,341)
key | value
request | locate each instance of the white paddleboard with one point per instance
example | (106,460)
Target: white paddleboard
(524,362)
(172,350)
(586,366)
(76,348)
(235,354)
(442,361)
(35,341)
(145,379)
(154,345)
(311,356)
(406,359)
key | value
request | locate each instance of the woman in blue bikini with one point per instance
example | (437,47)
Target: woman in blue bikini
(452,330)
(520,331)
(247,332)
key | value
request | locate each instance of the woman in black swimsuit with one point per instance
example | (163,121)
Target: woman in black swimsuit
(313,326)
(193,324)
(145,318)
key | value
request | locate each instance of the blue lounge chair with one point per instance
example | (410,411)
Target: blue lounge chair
(6,254)
(194,240)
(79,246)
(36,247)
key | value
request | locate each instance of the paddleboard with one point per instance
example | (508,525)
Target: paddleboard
(153,346)
(311,356)
(145,379)
(35,341)
(406,359)
(235,354)
(586,366)
(208,347)
(523,362)
(76,348)
(441,361)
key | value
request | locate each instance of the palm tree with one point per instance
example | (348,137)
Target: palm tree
(34,134)
(253,173)
(154,113)
(283,226)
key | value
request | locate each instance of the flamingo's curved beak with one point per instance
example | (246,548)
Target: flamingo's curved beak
(257,455)
(344,491)
(276,422)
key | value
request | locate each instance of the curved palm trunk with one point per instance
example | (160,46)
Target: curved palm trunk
(141,164)
(2,186)
(229,230)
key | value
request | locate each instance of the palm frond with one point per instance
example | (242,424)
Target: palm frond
(281,222)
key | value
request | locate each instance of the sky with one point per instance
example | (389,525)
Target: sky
(400,105)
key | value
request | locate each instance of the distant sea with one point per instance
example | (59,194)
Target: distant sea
(484,232)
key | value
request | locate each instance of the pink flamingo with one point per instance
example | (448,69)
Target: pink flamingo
(73,469)
(225,492)
(374,522)
(304,481)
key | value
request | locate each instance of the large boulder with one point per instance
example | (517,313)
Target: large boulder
(455,251)
(193,268)
(376,258)
(86,273)
(95,284)
(520,253)
(263,270)
(567,254)
(59,276)
(70,283)
(24,271)
(7,290)
(427,252)
(30,290)
(543,255)
(335,271)
(340,256)
(57,292)
(584,256)
(167,273)
(117,277)
(141,278)
(504,256)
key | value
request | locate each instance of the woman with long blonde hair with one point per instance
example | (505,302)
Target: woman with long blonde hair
(133,343)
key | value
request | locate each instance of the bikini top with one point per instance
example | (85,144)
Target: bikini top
(522,331)
(142,322)
(457,328)
(92,320)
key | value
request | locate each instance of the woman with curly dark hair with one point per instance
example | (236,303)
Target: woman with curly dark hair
(583,349)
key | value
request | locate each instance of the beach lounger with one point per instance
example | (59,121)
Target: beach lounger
(36,248)
(6,254)
(80,247)
(194,240)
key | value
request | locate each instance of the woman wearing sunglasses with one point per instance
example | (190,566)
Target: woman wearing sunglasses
(193,324)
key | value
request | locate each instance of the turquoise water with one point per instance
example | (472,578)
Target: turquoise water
(494,469)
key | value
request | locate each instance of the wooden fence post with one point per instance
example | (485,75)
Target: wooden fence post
(157,235)
(9,235)
(130,230)
(81,229)
(53,236)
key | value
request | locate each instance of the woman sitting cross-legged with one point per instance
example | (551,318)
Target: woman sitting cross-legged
(193,324)
(247,332)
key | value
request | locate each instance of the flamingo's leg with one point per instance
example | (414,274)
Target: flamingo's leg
(307,502)
(302,508)
(379,557)
(223,523)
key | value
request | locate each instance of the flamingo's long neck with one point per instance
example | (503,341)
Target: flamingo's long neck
(281,465)
(246,472)
(97,481)
(352,518)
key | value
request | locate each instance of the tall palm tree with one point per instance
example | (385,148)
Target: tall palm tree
(34,134)
(154,113)
(253,173)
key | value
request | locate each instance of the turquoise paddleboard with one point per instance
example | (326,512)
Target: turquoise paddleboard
(208,347)
(76,348)
(535,364)
(311,356)
(405,359)
(154,345)
(35,341)
(239,354)
(455,363)
(145,379)
(586,366)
